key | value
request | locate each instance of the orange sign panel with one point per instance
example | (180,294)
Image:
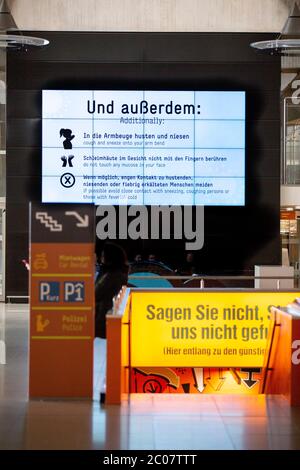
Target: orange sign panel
(197,380)
(288,215)
(202,328)
(61,310)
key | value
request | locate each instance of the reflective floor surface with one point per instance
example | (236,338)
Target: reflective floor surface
(146,422)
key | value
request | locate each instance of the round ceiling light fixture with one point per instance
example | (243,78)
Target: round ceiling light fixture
(16,40)
(288,41)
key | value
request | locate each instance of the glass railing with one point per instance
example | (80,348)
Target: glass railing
(152,280)
(290,162)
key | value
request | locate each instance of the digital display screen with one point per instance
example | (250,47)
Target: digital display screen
(114,147)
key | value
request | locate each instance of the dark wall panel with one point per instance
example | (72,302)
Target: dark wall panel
(24,161)
(235,238)
(24,133)
(226,76)
(23,188)
(118,47)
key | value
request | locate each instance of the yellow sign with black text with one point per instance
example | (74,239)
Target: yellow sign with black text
(205,329)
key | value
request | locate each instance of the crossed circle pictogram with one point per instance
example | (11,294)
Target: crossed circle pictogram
(67,180)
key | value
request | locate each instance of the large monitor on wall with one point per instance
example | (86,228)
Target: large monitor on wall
(144,147)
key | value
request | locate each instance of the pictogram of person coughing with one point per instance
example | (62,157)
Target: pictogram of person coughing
(67,134)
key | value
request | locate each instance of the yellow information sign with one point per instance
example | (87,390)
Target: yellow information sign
(206,329)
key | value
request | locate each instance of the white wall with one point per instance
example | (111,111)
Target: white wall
(150,15)
(290,195)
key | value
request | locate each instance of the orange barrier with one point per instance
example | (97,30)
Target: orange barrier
(128,328)
(118,352)
(282,368)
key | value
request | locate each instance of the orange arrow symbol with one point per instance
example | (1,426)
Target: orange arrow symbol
(199,379)
(249,382)
(216,382)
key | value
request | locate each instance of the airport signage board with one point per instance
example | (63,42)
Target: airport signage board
(61,301)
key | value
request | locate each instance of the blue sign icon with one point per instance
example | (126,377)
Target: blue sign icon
(74,291)
(49,291)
